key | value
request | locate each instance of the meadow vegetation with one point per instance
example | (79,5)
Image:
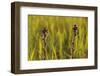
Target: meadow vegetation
(57,42)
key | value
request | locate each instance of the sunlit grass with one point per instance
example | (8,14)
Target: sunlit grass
(58,39)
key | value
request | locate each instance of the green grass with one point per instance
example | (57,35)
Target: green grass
(59,37)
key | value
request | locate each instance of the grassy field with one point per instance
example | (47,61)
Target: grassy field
(52,37)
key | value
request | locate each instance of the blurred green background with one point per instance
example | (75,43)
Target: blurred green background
(58,39)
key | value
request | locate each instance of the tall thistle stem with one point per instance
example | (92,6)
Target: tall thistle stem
(44,37)
(75,32)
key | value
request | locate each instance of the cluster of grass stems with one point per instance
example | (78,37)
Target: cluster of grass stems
(59,38)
